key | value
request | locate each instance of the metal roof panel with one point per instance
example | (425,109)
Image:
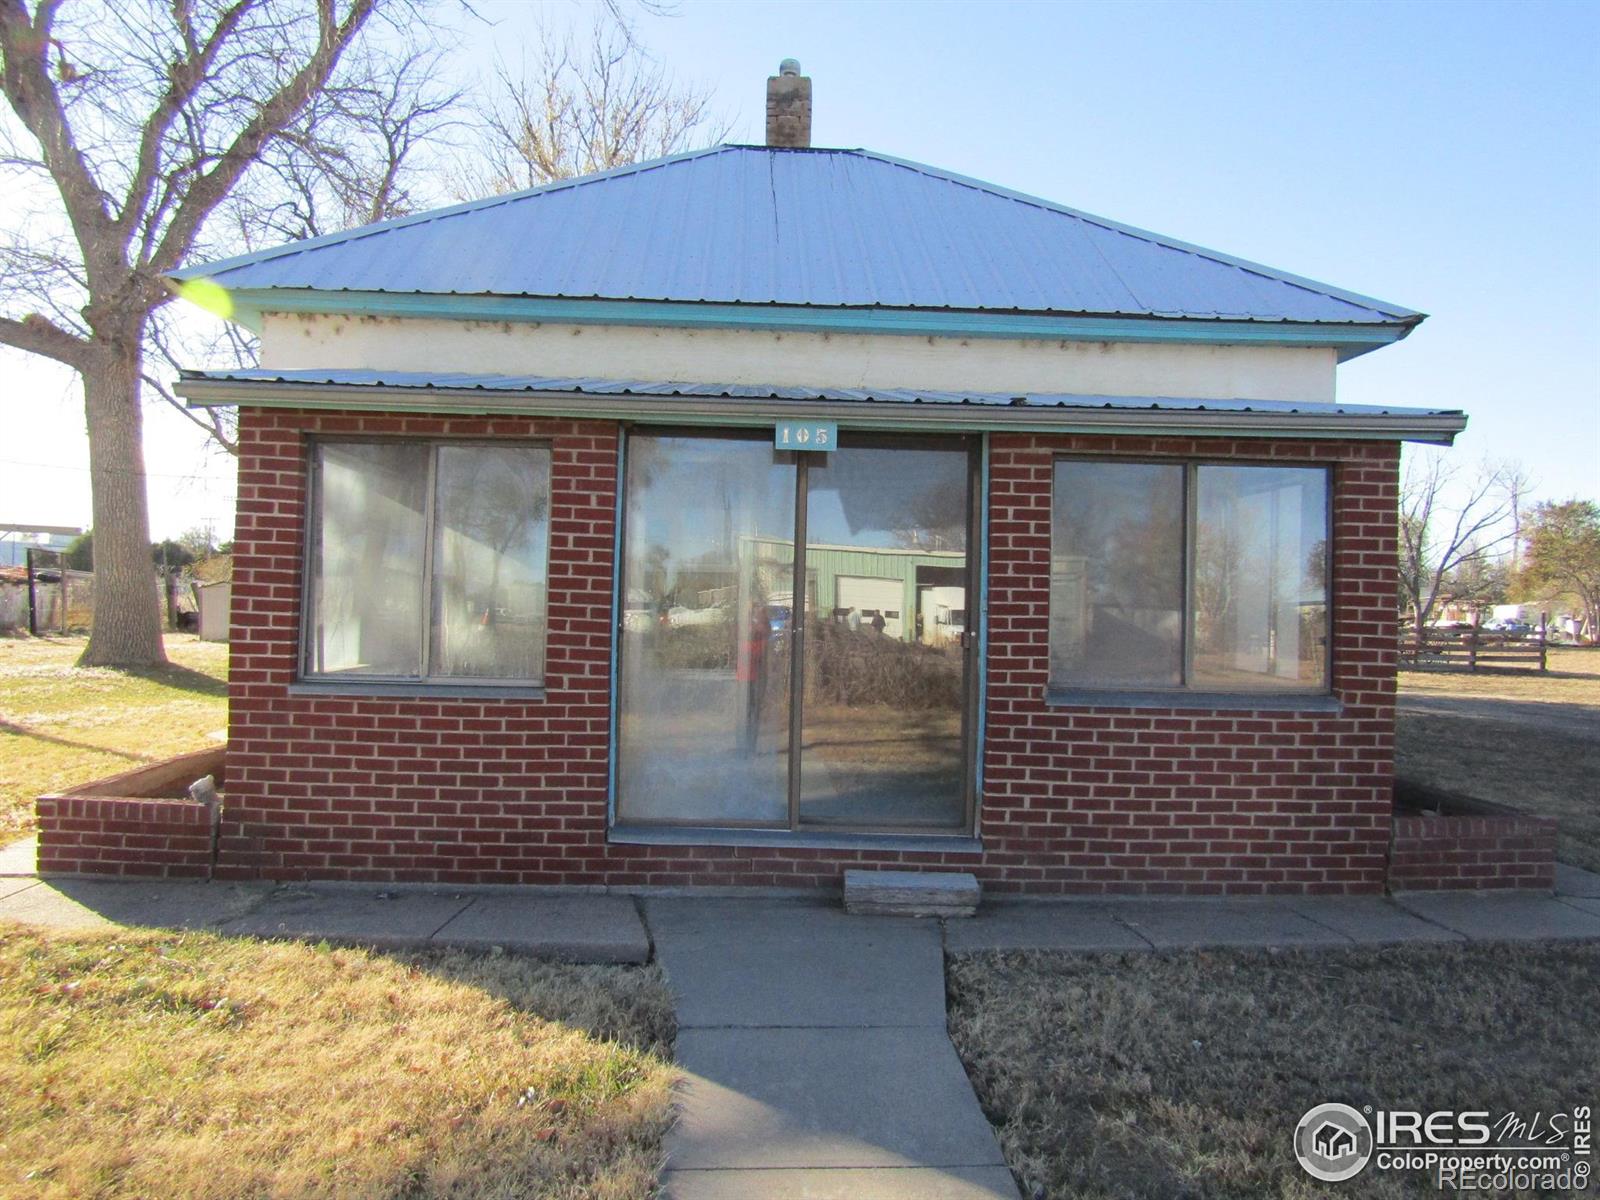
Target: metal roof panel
(827,228)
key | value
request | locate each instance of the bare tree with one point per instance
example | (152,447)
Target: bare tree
(1442,541)
(138,120)
(354,156)
(1519,485)
(581,108)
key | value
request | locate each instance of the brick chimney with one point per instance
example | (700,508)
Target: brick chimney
(789,106)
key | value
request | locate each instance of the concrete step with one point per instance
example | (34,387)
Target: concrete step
(911,893)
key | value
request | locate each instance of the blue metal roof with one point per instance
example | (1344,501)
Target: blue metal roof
(428,380)
(807,227)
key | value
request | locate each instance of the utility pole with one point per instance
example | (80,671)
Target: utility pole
(61,566)
(33,599)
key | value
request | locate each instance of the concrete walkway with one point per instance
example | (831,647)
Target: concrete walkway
(816,1058)
(602,927)
(577,928)
(1285,921)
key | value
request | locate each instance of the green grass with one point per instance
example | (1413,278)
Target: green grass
(138,1064)
(1168,1075)
(63,725)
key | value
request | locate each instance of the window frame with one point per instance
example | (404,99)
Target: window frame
(309,681)
(1185,693)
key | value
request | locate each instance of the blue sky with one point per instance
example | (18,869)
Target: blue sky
(1442,156)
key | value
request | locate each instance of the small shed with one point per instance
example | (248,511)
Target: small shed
(215,601)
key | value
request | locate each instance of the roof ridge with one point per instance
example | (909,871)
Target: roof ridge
(358,232)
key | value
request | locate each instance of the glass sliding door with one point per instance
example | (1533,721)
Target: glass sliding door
(883,719)
(716,726)
(707,615)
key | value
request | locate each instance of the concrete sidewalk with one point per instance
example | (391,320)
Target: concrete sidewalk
(1179,923)
(816,1058)
(576,928)
(607,927)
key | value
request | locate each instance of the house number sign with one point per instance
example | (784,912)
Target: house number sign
(806,435)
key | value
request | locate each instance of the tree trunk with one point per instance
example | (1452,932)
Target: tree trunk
(127,611)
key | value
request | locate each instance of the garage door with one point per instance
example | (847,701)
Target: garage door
(868,596)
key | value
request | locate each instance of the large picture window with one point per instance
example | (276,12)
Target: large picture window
(1188,576)
(428,562)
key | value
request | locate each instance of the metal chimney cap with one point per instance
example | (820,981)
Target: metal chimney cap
(789,66)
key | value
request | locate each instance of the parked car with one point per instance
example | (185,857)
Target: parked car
(778,617)
(1513,629)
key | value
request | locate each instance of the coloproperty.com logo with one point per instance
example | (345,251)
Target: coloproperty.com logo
(1464,1151)
(1333,1142)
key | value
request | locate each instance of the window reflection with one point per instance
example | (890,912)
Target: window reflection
(1116,579)
(886,554)
(491,518)
(370,562)
(366,600)
(708,607)
(1260,577)
(1255,567)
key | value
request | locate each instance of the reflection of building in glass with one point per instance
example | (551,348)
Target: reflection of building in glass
(921,595)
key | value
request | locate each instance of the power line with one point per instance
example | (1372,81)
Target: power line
(18,462)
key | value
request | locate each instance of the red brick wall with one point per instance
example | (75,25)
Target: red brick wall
(514,791)
(1085,799)
(1433,853)
(97,835)
(346,787)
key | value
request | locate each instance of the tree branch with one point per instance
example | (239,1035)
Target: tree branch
(211,422)
(36,100)
(39,335)
(184,80)
(271,119)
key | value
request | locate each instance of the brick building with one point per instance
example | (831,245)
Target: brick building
(764,511)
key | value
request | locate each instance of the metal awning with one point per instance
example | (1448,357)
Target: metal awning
(861,408)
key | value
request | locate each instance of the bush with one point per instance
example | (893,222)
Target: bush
(861,668)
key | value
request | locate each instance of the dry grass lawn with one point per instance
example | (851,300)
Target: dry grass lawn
(61,725)
(1503,752)
(153,1064)
(1573,678)
(1184,1075)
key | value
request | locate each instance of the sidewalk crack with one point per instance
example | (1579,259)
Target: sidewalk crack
(453,916)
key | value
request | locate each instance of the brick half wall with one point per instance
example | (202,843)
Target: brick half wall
(104,835)
(1437,853)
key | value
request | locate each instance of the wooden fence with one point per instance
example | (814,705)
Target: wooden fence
(1474,649)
